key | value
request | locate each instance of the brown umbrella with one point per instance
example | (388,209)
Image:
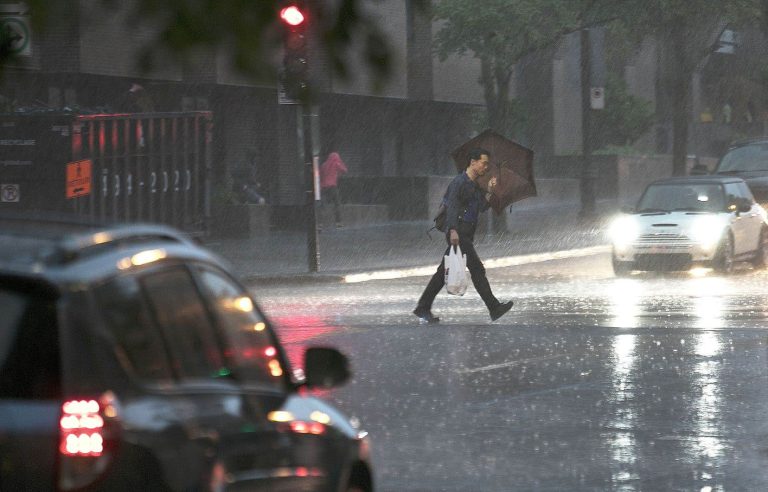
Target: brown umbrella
(511,164)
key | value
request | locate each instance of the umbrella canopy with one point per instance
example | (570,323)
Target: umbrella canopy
(510,163)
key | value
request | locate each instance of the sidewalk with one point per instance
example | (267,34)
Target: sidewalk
(282,255)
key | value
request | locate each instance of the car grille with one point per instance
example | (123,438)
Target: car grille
(670,241)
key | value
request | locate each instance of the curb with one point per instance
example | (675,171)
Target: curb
(421,271)
(296,278)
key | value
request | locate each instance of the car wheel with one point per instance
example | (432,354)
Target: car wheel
(723,262)
(360,479)
(622,268)
(761,255)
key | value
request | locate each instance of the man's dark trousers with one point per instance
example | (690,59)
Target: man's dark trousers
(476,270)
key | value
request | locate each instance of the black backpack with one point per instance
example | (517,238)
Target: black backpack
(439,219)
(442,212)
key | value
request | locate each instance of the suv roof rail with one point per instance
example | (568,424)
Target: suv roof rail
(81,245)
(73,242)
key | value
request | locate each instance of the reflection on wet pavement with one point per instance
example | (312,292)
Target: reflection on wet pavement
(650,382)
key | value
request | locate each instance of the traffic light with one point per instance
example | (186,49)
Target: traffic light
(295,71)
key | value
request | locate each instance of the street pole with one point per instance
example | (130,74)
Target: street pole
(587,173)
(293,89)
(312,193)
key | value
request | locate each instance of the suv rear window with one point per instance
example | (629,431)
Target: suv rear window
(29,347)
(127,317)
(181,314)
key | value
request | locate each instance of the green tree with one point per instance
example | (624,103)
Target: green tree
(625,117)
(499,33)
(686,32)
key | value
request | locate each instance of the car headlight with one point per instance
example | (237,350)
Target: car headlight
(707,231)
(623,230)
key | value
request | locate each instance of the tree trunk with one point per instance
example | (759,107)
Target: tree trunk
(680,130)
(681,82)
(495,92)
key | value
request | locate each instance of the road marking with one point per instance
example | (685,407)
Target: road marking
(489,264)
(511,363)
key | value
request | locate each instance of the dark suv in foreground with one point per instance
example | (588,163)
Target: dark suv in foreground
(130,359)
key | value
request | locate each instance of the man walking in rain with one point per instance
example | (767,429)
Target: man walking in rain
(465,201)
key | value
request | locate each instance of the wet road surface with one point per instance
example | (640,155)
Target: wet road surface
(654,382)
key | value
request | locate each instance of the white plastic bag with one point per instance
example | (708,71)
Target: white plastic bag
(456,272)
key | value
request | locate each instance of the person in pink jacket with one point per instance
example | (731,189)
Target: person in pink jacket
(329,183)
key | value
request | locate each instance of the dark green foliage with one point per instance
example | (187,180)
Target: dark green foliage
(625,117)
(248,32)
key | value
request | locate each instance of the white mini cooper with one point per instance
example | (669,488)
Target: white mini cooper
(696,220)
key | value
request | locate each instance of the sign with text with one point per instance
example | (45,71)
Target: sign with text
(79,178)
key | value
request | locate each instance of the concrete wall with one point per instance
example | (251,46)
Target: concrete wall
(566,96)
(109,44)
(457,80)
(391,17)
(550,191)
(635,173)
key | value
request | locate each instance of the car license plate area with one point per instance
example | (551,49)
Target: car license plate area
(673,261)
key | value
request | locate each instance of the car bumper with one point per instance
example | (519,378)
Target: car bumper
(679,252)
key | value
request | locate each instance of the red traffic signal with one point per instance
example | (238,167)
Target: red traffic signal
(294,76)
(292,15)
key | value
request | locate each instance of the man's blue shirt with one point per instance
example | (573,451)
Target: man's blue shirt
(464,200)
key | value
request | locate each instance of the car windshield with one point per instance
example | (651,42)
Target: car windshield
(747,158)
(686,197)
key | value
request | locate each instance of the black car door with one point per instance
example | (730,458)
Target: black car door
(151,320)
(208,401)
(276,452)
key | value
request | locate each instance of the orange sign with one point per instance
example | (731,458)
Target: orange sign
(78,178)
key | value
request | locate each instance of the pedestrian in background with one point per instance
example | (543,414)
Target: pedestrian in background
(330,171)
(465,201)
(135,100)
(727,113)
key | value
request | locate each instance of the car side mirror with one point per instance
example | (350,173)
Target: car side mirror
(325,368)
(744,205)
(740,205)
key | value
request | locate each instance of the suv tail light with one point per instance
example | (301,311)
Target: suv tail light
(81,427)
(87,428)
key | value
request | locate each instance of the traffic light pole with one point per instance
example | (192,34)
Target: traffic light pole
(293,89)
(312,185)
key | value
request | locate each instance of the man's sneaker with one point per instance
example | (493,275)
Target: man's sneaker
(500,310)
(425,316)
